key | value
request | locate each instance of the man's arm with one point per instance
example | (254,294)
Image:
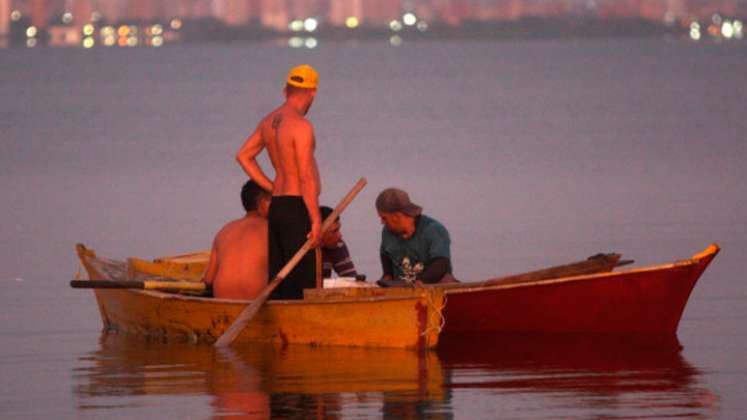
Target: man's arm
(309,176)
(439,254)
(386,268)
(247,158)
(437,269)
(342,262)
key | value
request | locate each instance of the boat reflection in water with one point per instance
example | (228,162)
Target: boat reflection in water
(258,380)
(519,376)
(567,376)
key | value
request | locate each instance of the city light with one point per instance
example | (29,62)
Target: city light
(352,22)
(310,24)
(71,24)
(409,19)
(295,42)
(299,42)
(738,29)
(108,36)
(296,25)
(695,31)
(727,30)
(109,40)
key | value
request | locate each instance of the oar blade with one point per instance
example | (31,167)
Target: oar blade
(238,325)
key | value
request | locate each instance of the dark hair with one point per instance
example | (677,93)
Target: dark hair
(250,194)
(326,211)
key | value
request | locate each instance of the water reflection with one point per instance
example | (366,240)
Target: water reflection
(260,380)
(563,377)
(608,376)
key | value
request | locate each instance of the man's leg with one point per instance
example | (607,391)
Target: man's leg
(303,276)
(289,225)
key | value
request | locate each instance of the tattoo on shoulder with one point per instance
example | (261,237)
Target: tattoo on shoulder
(276,120)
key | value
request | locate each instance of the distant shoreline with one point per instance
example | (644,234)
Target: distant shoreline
(212,30)
(519,29)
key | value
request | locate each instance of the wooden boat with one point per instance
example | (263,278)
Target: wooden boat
(401,321)
(583,297)
(642,300)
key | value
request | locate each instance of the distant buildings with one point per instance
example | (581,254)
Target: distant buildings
(4,19)
(68,16)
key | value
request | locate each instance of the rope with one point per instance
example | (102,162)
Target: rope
(436,316)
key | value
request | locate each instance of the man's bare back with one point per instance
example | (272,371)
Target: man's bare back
(238,266)
(294,213)
(238,261)
(289,139)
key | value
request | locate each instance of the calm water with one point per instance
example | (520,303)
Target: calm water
(532,154)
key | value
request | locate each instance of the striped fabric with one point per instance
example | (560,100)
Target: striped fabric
(337,259)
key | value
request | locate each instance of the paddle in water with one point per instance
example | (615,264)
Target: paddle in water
(248,313)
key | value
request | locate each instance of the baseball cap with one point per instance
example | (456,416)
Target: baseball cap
(303,76)
(395,200)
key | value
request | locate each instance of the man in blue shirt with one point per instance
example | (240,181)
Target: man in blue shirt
(415,248)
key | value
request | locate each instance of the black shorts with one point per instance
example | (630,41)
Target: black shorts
(289,223)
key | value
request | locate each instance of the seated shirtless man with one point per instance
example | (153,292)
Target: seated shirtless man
(238,261)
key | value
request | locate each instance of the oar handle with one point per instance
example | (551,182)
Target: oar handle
(248,313)
(131,284)
(307,246)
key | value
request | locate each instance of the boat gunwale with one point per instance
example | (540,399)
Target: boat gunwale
(696,259)
(353,300)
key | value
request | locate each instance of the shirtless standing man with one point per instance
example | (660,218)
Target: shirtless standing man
(294,212)
(237,268)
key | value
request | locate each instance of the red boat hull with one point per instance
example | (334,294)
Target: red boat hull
(646,300)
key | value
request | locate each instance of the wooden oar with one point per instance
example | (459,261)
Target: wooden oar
(248,313)
(599,263)
(130,284)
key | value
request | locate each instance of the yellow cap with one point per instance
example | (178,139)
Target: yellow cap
(303,76)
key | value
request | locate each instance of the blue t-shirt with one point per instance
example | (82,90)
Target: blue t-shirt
(411,256)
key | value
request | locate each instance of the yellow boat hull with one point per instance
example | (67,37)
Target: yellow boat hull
(409,321)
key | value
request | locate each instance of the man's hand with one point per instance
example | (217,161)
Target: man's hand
(315,235)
